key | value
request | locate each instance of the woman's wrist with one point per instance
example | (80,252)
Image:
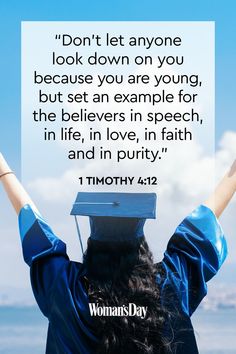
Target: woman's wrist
(3,165)
(232,175)
(6,173)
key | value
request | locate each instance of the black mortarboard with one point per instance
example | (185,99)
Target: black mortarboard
(115,216)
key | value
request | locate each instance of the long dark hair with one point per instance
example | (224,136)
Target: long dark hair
(120,273)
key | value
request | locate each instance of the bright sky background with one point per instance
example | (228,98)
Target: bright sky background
(11,15)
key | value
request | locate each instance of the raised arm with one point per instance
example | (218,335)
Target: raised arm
(223,193)
(43,251)
(198,247)
(15,191)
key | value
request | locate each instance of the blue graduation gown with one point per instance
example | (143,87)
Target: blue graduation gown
(193,256)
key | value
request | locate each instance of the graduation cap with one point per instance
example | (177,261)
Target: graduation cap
(114,216)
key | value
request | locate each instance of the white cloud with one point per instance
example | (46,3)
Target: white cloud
(187,173)
(183,184)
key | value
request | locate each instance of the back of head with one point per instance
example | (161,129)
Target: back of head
(119,274)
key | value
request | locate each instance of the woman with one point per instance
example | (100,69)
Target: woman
(115,274)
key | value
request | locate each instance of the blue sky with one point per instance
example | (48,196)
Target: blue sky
(13,12)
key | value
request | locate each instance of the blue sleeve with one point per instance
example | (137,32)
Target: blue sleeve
(194,255)
(44,252)
(38,239)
